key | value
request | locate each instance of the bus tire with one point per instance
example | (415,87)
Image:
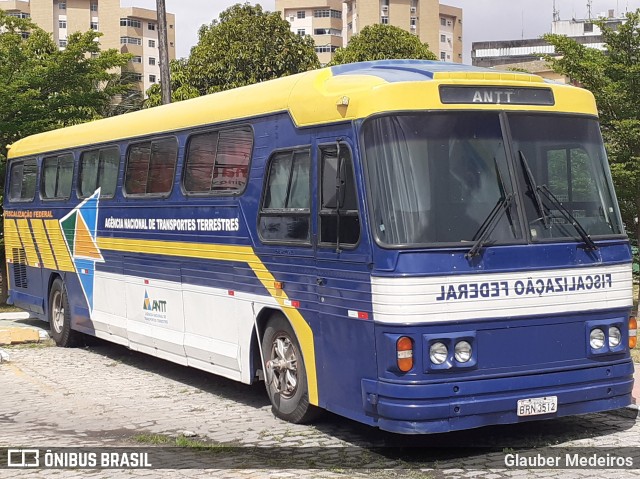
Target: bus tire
(285,375)
(60,316)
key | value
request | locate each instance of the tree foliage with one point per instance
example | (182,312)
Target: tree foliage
(43,88)
(245,45)
(613,76)
(382,42)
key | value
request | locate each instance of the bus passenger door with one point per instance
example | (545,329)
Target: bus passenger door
(343,282)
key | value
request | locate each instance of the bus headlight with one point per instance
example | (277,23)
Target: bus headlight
(462,351)
(615,337)
(596,338)
(438,353)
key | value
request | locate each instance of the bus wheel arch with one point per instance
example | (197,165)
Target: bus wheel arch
(59,314)
(285,375)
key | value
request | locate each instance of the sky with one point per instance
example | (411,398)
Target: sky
(483,20)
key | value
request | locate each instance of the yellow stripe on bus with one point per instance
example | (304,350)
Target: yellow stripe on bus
(27,241)
(242,254)
(59,245)
(42,243)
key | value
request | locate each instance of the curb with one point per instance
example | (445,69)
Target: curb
(14,333)
(15,315)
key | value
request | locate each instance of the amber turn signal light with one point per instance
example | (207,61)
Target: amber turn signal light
(404,352)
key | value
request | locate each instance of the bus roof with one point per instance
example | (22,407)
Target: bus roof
(327,95)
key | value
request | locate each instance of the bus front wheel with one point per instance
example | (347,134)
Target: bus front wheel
(285,376)
(60,316)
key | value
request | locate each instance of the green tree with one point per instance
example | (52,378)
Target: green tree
(245,45)
(613,76)
(382,42)
(43,88)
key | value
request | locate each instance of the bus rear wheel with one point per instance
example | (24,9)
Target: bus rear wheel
(286,376)
(60,316)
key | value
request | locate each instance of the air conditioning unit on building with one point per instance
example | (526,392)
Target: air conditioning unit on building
(413,9)
(412,27)
(385,8)
(449,23)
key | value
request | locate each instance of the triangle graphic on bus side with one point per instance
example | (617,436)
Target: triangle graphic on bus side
(69,230)
(85,245)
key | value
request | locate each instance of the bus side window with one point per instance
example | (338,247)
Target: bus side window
(22,180)
(99,169)
(151,167)
(286,202)
(217,162)
(349,220)
(57,176)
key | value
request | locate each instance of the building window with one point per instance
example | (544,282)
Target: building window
(350,26)
(130,22)
(62,6)
(130,41)
(25,35)
(384,20)
(136,59)
(171,27)
(326,49)
(99,169)
(137,76)
(443,38)
(326,13)
(150,167)
(588,27)
(19,15)
(152,43)
(301,32)
(443,22)
(217,162)
(285,213)
(57,175)
(301,14)
(94,25)
(443,56)
(151,26)
(152,78)
(412,21)
(62,43)
(62,24)
(94,7)
(152,61)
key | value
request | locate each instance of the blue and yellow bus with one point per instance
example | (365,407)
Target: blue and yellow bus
(419,246)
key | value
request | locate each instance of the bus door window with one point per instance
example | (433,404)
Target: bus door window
(22,180)
(57,176)
(339,219)
(286,203)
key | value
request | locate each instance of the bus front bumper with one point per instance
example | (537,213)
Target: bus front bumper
(470,403)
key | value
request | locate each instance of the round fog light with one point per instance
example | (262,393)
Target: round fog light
(615,337)
(462,351)
(438,353)
(596,338)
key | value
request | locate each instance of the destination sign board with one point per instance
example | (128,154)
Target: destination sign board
(496,95)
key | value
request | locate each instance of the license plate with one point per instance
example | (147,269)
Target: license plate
(535,406)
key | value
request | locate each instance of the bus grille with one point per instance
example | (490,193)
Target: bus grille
(19,268)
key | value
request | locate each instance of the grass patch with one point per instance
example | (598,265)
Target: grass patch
(178,441)
(45,343)
(7,308)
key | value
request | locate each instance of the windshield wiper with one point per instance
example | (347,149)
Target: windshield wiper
(569,217)
(489,224)
(533,187)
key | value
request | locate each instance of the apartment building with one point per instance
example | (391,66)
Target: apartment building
(332,23)
(130,30)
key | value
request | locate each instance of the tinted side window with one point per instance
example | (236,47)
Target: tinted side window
(285,211)
(57,176)
(99,169)
(151,166)
(338,200)
(22,180)
(217,162)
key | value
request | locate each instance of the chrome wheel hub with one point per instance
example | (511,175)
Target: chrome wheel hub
(282,366)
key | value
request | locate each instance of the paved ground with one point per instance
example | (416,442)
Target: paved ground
(105,395)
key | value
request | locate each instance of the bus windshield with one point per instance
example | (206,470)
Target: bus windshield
(435,178)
